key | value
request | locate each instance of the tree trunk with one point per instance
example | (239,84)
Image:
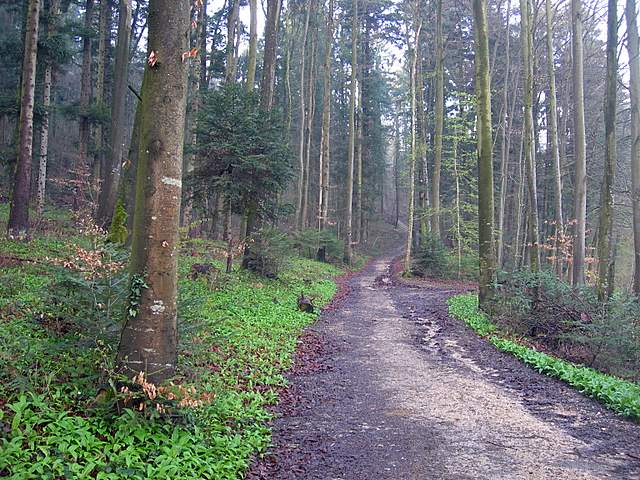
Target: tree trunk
(553,134)
(439,124)
(325,147)
(253,45)
(270,50)
(109,190)
(303,123)
(396,159)
(504,144)
(412,166)
(580,194)
(311,91)
(486,251)
(606,203)
(149,337)
(18,226)
(84,125)
(529,142)
(54,11)
(359,148)
(98,168)
(348,247)
(232,28)
(633,47)
(204,80)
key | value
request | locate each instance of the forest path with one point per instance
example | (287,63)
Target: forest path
(390,387)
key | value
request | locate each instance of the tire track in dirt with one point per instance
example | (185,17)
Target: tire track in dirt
(405,392)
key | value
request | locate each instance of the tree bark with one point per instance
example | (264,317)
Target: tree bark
(606,204)
(267,84)
(439,124)
(311,90)
(253,45)
(109,190)
(633,47)
(412,165)
(54,11)
(18,226)
(553,133)
(232,28)
(529,142)
(486,251)
(348,247)
(580,206)
(325,147)
(84,124)
(303,122)
(149,338)
(504,144)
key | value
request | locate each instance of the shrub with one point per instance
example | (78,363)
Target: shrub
(269,252)
(431,259)
(309,241)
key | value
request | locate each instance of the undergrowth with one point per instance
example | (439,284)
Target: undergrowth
(621,396)
(238,333)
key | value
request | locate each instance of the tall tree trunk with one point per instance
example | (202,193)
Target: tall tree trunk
(412,166)
(84,125)
(18,226)
(325,147)
(396,159)
(253,45)
(109,190)
(486,251)
(232,28)
(270,50)
(519,208)
(303,122)
(553,134)
(580,194)
(529,142)
(54,11)
(311,91)
(633,47)
(606,203)
(204,80)
(439,123)
(98,168)
(504,144)
(359,147)
(348,247)
(149,337)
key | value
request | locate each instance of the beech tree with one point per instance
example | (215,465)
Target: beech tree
(149,336)
(18,225)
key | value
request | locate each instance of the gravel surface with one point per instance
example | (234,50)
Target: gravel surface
(388,386)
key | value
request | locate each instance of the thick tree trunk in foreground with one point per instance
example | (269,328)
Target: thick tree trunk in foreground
(109,190)
(606,203)
(149,338)
(348,246)
(485,165)
(18,226)
(633,47)
(580,210)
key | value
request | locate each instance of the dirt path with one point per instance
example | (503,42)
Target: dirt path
(390,387)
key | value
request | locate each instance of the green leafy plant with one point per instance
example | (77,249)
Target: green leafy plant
(619,395)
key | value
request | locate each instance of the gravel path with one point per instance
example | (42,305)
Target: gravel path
(387,386)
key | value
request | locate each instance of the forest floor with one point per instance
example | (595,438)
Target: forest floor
(388,386)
